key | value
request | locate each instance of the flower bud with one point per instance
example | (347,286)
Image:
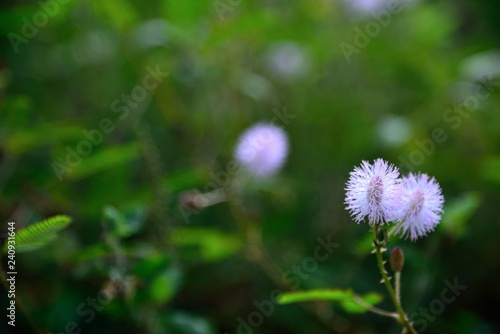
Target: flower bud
(397,259)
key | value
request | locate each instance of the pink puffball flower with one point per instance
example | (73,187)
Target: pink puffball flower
(262,150)
(373,191)
(421,206)
(366,6)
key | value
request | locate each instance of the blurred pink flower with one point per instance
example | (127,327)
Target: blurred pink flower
(262,149)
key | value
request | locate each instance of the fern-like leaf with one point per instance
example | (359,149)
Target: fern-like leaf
(39,234)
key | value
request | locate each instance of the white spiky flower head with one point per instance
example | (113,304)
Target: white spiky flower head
(373,191)
(421,206)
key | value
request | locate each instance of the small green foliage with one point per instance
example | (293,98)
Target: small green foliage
(208,244)
(351,306)
(165,285)
(39,234)
(104,159)
(346,298)
(181,322)
(160,277)
(122,225)
(458,212)
(364,245)
(318,294)
(93,252)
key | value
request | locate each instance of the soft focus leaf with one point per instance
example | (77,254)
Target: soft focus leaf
(122,18)
(491,169)
(39,234)
(209,244)
(457,213)
(351,306)
(91,252)
(345,297)
(165,285)
(319,294)
(122,226)
(364,245)
(151,265)
(23,141)
(103,160)
(181,322)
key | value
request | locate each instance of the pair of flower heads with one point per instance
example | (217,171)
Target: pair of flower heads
(377,192)
(374,191)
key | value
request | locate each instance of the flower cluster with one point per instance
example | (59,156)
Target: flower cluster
(376,191)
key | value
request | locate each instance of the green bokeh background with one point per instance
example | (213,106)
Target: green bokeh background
(231,64)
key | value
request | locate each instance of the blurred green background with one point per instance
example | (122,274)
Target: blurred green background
(419,88)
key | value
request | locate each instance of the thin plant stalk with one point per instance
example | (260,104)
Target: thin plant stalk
(374,309)
(397,285)
(399,309)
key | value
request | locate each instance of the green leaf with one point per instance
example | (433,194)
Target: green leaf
(103,160)
(346,298)
(318,294)
(490,169)
(165,285)
(208,244)
(136,217)
(150,266)
(365,245)
(39,234)
(23,141)
(429,25)
(181,322)
(122,19)
(185,14)
(92,252)
(120,225)
(458,212)
(185,179)
(349,305)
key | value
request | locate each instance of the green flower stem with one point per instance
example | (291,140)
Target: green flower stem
(402,315)
(397,285)
(374,309)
